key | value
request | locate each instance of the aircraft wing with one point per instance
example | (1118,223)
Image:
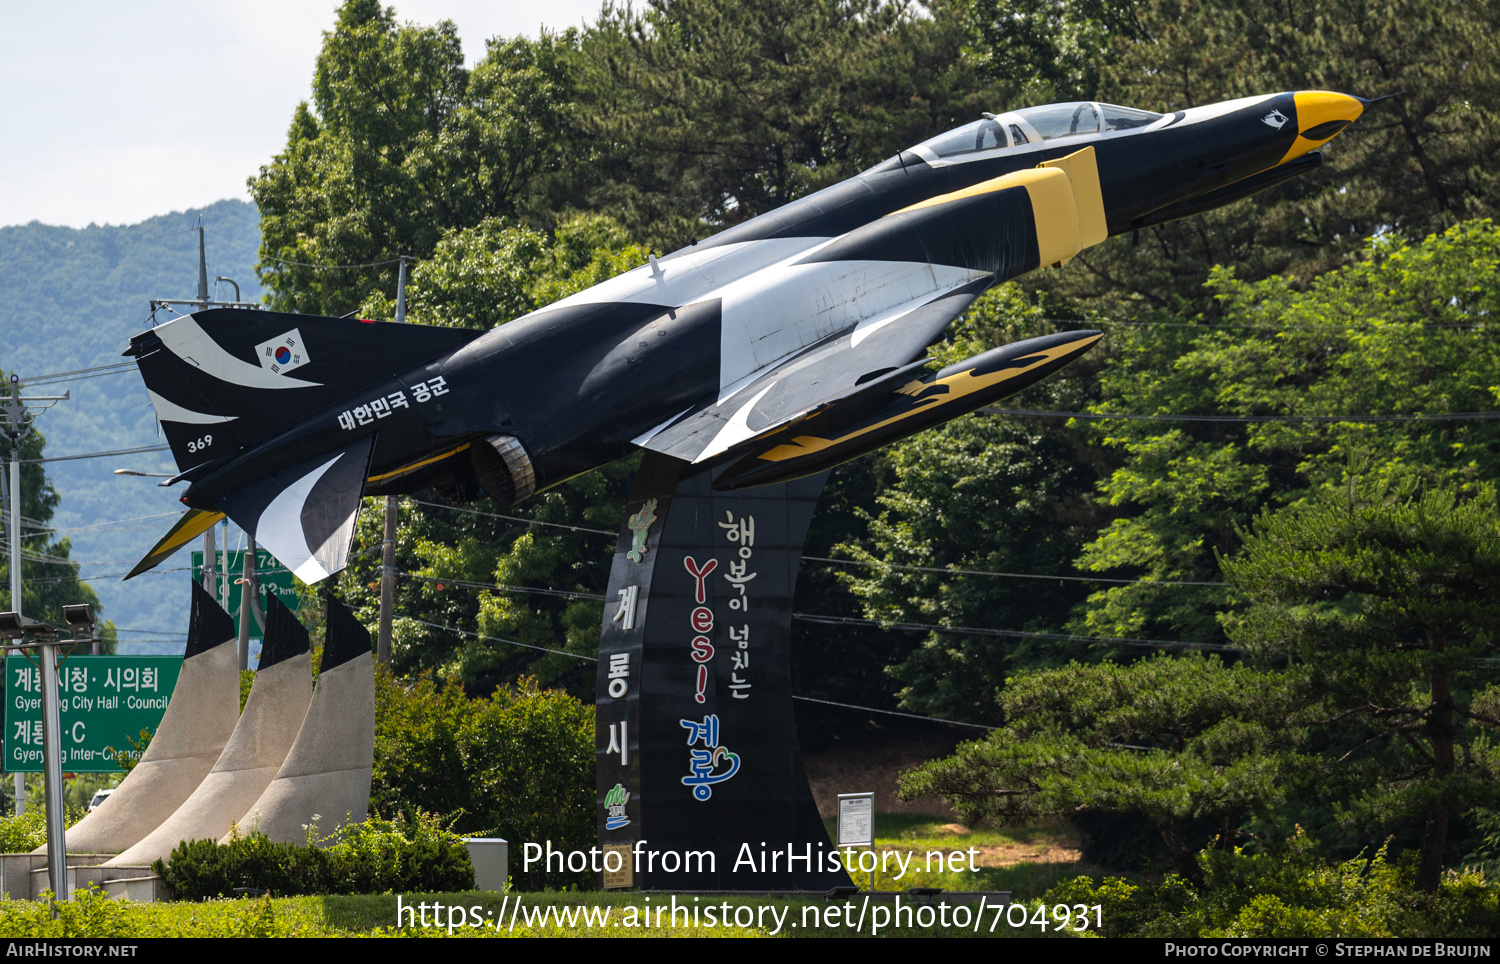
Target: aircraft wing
(874,354)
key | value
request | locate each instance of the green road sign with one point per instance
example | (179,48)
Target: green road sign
(106,701)
(273,575)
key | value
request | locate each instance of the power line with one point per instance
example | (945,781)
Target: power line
(853,621)
(34,380)
(1008,575)
(65,381)
(41,529)
(1016,633)
(915,568)
(1222,326)
(910,716)
(563,593)
(98,455)
(595,659)
(511,518)
(512,642)
(330,267)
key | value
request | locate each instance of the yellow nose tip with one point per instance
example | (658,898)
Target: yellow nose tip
(1321,115)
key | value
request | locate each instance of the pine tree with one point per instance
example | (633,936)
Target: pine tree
(1381,602)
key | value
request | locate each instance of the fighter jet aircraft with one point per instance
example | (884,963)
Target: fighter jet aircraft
(778,348)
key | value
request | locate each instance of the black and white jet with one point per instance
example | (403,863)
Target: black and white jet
(778,348)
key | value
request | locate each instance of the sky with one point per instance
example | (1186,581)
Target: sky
(117,112)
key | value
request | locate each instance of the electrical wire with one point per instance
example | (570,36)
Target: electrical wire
(910,716)
(1017,634)
(511,518)
(511,642)
(527,590)
(853,621)
(836,562)
(330,267)
(98,455)
(805,699)
(1223,326)
(1007,575)
(34,380)
(41,529)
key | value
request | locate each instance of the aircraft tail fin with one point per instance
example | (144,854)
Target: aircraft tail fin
(223,378)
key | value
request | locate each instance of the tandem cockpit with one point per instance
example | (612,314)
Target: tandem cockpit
(1028,126)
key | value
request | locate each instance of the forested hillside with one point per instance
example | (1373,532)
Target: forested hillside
(73,298)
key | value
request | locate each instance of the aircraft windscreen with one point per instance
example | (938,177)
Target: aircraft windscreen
(1062,120)
(1068,120)
(982,135)
(1033,124)
(1126,118)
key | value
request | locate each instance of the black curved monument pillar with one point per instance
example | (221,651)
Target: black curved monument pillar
(700,779)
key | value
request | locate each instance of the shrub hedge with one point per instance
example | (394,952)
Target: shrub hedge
(375,857)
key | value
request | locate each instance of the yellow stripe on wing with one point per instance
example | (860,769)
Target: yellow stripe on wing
(417,465)
(959,386)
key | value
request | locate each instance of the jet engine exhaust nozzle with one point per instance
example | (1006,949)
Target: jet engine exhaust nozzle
(504,469)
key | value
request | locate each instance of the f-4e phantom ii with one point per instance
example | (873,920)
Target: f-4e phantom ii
(785,345)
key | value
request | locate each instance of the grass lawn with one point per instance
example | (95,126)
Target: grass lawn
(1026,861)
(524,915)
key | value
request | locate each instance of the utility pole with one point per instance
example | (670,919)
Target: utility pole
(224,569)
(15,423)
(214,571)
(388,545)
(249,599)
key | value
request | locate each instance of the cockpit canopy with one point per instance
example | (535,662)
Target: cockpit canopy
(1032,125)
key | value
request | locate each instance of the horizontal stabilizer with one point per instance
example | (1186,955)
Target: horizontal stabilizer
(224,378)
(192,524)
(304,514)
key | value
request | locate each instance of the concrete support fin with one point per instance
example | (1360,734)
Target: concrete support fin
(193,731)
(273,715)
(325,781)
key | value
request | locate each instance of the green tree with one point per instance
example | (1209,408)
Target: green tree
(1042,51)
(518,765)
(402,144)
(985,493)
(1177,740)
(49,580)
(715,111)
(1382,601)
(1291,890)
(1401,334)
(1416,164)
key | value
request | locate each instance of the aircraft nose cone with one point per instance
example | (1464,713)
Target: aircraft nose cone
(1321,114)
